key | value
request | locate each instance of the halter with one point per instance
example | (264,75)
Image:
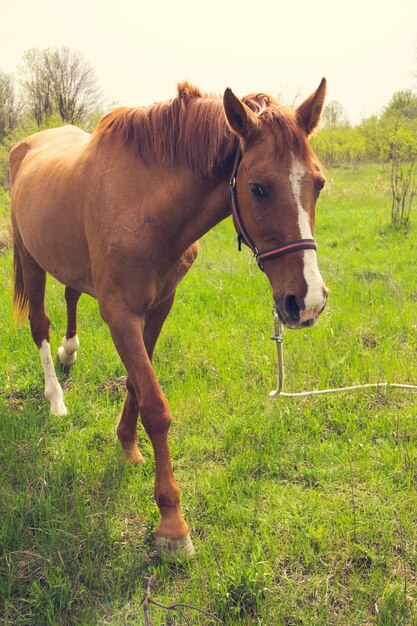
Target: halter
(243,235)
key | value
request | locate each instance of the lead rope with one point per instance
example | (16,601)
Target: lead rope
(278,338)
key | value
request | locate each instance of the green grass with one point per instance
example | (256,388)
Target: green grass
(302,512)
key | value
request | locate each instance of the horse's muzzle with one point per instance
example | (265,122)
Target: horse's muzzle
(293,313)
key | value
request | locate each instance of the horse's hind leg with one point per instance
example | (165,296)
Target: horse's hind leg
(34,280)
(67,353)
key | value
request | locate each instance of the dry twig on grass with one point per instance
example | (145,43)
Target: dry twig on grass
(147,600)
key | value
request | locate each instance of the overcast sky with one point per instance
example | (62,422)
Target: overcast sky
(367,49)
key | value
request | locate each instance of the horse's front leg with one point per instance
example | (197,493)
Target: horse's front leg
(127,431)
(127,426)
(127,329)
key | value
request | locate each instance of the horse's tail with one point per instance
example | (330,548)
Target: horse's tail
(20,301)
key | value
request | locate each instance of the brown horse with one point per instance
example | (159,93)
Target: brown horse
(117,215)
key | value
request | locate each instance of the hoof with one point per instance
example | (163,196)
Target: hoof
(132,456)
(55,398)
(67,353)
(130,451)
(175,549)
(64,359)
(58,408)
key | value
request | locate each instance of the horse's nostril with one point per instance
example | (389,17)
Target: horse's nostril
(293,307)
(308,323)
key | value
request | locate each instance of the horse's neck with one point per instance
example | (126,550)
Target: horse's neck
(208,205)
(187,205)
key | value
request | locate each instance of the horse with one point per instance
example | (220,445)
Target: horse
(117,214)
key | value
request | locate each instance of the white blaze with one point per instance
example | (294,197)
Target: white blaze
(314,298)
(53,391)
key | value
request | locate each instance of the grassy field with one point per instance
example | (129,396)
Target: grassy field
(302,512)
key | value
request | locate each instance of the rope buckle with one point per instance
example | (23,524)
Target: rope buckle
(278,338)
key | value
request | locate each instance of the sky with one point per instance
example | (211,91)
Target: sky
(140,50)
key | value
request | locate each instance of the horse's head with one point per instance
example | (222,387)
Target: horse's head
(277,183)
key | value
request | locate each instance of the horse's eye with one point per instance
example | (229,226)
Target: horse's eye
(319,186)
(257,190)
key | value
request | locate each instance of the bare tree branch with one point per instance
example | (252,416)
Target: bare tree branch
(59,81)
(9,110)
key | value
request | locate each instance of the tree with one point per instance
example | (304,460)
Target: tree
(36,86)
(73,83)
(61,82)
(334,116)
(399,148)
(336,142)
(373,132)
(9,112)
(337,146)
(402,106)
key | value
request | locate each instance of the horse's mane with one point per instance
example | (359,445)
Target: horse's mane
(192,129)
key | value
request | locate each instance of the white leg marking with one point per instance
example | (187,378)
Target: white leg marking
(314,299)
(53,391)
(67,353)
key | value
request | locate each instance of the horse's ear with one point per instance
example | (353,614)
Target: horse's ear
(309,111)
(241,119)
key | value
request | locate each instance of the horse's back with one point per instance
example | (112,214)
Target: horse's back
(47,145)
